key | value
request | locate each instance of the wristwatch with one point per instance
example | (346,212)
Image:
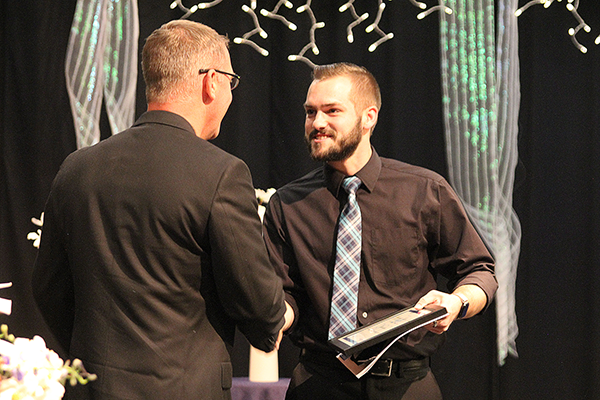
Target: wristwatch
(465,305)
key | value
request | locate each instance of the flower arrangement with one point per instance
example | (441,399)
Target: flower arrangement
(31,371)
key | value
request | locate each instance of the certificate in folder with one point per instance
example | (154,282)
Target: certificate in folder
(394,325)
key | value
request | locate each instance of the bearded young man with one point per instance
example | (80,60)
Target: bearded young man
(411,227)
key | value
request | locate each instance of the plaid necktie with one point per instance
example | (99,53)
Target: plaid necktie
(347,263)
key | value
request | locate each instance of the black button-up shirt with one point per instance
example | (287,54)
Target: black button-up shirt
(414,228)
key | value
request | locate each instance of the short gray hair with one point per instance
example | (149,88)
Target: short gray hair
(174,53)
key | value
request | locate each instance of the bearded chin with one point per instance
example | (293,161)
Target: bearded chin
(339,152)
(342,148)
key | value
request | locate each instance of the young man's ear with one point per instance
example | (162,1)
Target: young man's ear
(369,117)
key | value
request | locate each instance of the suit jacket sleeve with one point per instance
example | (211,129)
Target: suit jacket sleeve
(250,291)
(281,253)
(52,282)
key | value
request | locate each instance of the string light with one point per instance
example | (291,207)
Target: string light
(245,39)
(572,6)
(312,44)
(348,6)
(274,14)
(531,3)
(375,27)
(423,6)
(357,19)
(194,8)
(210,4)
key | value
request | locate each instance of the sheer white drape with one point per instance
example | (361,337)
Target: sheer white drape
(481,95)
(101,63)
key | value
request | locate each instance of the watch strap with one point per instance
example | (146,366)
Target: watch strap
(465,305)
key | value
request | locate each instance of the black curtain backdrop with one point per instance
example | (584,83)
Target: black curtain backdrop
(557,193)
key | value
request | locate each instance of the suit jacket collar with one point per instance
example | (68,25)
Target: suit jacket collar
(165,118)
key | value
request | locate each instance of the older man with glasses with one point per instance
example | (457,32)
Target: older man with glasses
(152,250)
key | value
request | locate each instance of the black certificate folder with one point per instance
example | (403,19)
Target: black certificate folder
(396,324)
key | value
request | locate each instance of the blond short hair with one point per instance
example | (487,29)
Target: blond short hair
(365,90)
(173,55)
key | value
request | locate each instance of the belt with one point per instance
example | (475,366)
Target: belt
(400,368)
(382,368)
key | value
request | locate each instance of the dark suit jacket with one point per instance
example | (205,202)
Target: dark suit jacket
(151,253)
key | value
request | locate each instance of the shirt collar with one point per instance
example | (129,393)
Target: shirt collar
(368,175)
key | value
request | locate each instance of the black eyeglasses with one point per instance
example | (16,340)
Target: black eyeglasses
(233,82)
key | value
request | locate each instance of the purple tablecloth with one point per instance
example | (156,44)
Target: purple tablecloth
(243,389)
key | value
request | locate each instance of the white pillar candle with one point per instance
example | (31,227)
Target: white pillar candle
(264,367)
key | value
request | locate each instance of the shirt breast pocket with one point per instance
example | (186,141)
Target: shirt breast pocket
(394,255)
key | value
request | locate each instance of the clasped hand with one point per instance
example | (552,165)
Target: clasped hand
(452,304)
(289,319)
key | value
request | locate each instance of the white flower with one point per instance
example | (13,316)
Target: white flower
(5,304)
(261,211)
(36,236)
(7,392)
(31,371)
(263,196)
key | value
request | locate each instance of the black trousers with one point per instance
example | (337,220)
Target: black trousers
(318,381)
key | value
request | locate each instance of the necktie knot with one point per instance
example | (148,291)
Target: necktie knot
(351,184)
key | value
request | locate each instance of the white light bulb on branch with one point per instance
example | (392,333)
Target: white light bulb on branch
(423,14)
(351,26)
(375,27)
(529,4)
(303,59)
(245,39)
(572,6)
(204,6)
(312,44)
(250,43)
(194,8)
(374,46)
(357,20)
(273,14)
(422,6)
